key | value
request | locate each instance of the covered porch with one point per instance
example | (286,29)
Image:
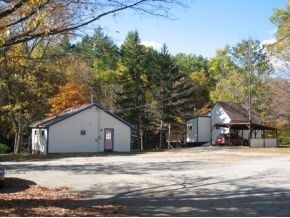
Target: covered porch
(258,135)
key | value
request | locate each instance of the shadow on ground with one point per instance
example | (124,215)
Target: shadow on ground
(175,199)
(39,157)
(104,168)
(190,199)
(14,185)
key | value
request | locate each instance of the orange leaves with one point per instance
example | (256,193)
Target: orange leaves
(71,94)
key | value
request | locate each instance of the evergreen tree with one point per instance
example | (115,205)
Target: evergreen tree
(134,80)
(191,87)
(101,55)
(162,82)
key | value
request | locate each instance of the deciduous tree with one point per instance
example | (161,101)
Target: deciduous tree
(240,73)
(281,19)
(27,80)
(42,18)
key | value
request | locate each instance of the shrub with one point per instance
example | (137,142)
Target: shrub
(284,135)
(3,149)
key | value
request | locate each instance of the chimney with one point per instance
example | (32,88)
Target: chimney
(92,99)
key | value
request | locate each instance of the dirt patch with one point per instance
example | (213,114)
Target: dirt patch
(25,198)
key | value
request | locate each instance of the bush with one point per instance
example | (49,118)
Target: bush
(284,135)
(3,149)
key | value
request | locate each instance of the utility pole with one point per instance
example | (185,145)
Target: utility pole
(169,135)
(249,110)
(92,95)
(161,126)
(249,62)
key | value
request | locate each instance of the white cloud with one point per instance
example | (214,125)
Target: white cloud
(153,44)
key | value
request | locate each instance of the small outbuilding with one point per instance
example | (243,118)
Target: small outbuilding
(198,130)
(228,117)
(85,128)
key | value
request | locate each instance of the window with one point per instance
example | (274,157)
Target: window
(83,132)
(35,132)
(190,128)
(108,135)
(42,132)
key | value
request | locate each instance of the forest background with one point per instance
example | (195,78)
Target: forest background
(42,72)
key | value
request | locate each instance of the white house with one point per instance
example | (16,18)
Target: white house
(225,117)
(227,112)
(85,128)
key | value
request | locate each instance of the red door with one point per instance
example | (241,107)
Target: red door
(108,139)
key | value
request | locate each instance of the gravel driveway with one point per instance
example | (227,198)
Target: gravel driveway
(187,182)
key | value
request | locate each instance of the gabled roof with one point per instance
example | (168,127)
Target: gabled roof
(70,112)
(238,113)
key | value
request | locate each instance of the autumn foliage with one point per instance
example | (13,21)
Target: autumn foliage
(70,94)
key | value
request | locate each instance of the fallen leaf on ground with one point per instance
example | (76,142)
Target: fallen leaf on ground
(25,198)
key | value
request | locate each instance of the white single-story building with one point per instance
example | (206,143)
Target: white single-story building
(226,117)
(228,112)
(85,128)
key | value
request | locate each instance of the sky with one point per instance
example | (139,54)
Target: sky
(200,28)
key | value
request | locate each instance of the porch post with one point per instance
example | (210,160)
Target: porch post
(230,134)
(211,129)
(249,134)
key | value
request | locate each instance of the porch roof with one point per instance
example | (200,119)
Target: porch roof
(244,126)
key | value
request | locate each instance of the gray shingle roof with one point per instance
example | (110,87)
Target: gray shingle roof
(238,113)
(70,112)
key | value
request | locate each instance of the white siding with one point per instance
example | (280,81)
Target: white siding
(271,143)
(263,143)
(38,140)
(122,133)
(191,132)
(65,136)
(218,115)
(204,129)
(198,130)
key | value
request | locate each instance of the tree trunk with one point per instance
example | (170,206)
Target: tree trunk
(160,135)
(140,130)
(17,136)
(141,139)
(169,135)
(141,142)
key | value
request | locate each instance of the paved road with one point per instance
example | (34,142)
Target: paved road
(189,182)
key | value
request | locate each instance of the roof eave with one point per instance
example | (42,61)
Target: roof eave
(52,122)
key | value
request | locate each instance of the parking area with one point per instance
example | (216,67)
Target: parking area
(210,181)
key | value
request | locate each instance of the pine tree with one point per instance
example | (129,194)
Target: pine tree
(162,81)
(101,56)
(191,88)
(134,81)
